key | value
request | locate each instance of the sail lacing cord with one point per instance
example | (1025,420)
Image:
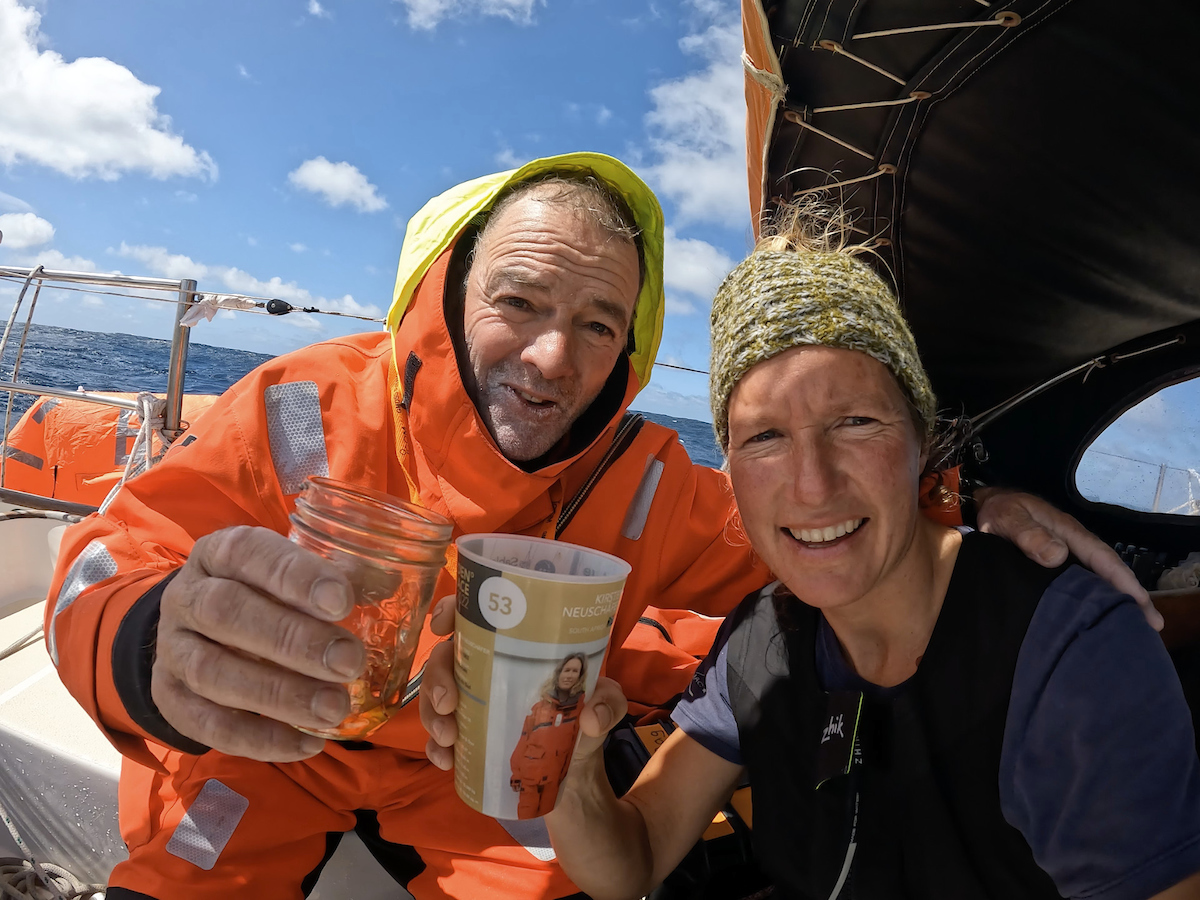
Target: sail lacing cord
(884,169)
(797,119)
(1004,20)
(835,47)
(914,96)
(151,410)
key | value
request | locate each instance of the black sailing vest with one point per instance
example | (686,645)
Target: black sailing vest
(917,814)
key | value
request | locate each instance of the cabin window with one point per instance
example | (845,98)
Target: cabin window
(1148,458)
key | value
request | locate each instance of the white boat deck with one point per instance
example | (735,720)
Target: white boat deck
(58,773)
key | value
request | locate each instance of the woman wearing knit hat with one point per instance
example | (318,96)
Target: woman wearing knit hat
(920,712)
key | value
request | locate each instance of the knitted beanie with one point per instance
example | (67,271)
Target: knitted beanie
(775,300)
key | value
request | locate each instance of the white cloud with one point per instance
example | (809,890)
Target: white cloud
(186,196)
(298,248)
(693,266)
(426,14)
(506,158)
(9,203)
(54,259)
(87,117)
(603,114)
(243,71)
(316,9)
(678,307)
(339,183)
(697,126)
(161,262)
(23,230)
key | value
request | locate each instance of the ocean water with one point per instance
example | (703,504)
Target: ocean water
(66,358)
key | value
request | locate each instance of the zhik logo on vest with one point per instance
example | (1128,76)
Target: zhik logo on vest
(834,727)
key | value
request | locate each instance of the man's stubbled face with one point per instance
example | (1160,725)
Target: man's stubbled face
(546,313)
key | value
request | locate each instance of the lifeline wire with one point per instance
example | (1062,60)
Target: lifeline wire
(260,302)
(263,312)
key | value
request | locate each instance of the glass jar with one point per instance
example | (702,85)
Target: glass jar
(391,552)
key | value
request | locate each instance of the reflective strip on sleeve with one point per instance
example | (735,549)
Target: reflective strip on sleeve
(94,565)
(532,835)
(208,824)
(43,408)
(639,509)
(295,433)
(22,457)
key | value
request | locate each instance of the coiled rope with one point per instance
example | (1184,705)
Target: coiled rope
(24,879)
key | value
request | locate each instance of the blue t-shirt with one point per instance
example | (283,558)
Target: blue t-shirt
(1098,770)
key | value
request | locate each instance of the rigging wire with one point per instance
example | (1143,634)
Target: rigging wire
(263,311)
(261,303)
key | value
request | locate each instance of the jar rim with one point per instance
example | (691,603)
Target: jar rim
(382,555)
(401,512)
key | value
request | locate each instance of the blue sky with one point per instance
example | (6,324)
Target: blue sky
(277,148)
(1158,436)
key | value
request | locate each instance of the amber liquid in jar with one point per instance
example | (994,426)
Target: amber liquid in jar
(391,552)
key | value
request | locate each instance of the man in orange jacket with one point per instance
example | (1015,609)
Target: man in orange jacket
(197,636)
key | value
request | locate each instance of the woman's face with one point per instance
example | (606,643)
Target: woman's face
(825,463)
(568,676)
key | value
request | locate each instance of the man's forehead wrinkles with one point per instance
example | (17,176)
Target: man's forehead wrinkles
(543,272)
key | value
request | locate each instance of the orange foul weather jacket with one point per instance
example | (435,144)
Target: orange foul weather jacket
(397,418)
(539,761)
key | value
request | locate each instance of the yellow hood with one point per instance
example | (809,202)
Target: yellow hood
(438,223)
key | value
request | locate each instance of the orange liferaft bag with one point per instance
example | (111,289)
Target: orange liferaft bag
(75,450)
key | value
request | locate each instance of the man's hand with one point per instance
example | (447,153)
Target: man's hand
(245,628)
(1046,535)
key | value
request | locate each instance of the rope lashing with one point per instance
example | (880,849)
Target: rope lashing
(767,79)
(152,411)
